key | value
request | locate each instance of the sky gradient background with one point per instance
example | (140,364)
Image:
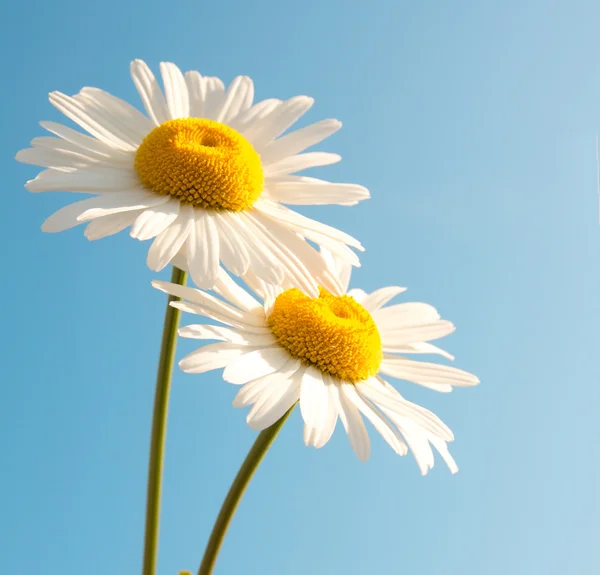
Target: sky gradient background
(473,125)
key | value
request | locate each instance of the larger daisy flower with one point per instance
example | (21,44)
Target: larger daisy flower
(205,173)
(330,353)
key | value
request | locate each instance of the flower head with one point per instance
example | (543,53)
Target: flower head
(329,353)
(205,173)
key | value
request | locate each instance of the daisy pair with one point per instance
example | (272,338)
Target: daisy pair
(205,174)
(330,353)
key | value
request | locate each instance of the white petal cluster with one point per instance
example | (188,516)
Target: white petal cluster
(272,381)
(269,239)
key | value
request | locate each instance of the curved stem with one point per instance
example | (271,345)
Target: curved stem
(236,491)
(159,427)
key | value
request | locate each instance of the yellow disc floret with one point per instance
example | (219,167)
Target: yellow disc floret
(201,162)
(335,334)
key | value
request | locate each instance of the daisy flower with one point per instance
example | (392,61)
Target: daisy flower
(205,172)
(330,353)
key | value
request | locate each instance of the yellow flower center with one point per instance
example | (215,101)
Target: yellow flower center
(335,334)
(201,162)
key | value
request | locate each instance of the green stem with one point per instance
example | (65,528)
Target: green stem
(236,491)
(159,427)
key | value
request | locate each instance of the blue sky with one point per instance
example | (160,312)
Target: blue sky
(473,124)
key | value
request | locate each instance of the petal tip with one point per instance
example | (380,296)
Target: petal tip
(30,185)
(54,95)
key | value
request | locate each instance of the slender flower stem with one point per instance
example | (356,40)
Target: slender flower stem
(159,427)
(236,491)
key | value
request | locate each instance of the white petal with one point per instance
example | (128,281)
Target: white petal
(57,159)
(185,292)
(272,404)
(280,119)
(380,297)
(404,313)
(419,347)
(416,438)
(66,217)
(168,242)
(206,303)
(203,250)
(216,332)
(232,250)
(354,425)
(254,116)
(385,396)
(305,191)
(323,432)
(301,261)
(300,162)
(155,220)
(212,356)
(320,409)
(262,260)
(428,374)
(218,316)
(298,141)
(176,91)
(404,334)
(69,216)
(227,288)
(123,133)
(221,333)
(278,226)
(256,364)
(379,421)
(62,154)
(65,146)
(92,119)
(109,225)
(93,180)
(442,448)
(215,94)
(251,391)
(134,125)
(91,145)
(406,409)
(197,93)
(238,99)
(313,397)
(120,202)
(305,225)
(150,92)
(339,267)
(267,292)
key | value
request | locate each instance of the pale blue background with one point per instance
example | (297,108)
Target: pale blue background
(473,124)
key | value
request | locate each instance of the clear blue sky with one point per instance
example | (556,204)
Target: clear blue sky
(473,125)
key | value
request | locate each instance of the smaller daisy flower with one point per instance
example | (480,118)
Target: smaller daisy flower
(205,174)
(329,353)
